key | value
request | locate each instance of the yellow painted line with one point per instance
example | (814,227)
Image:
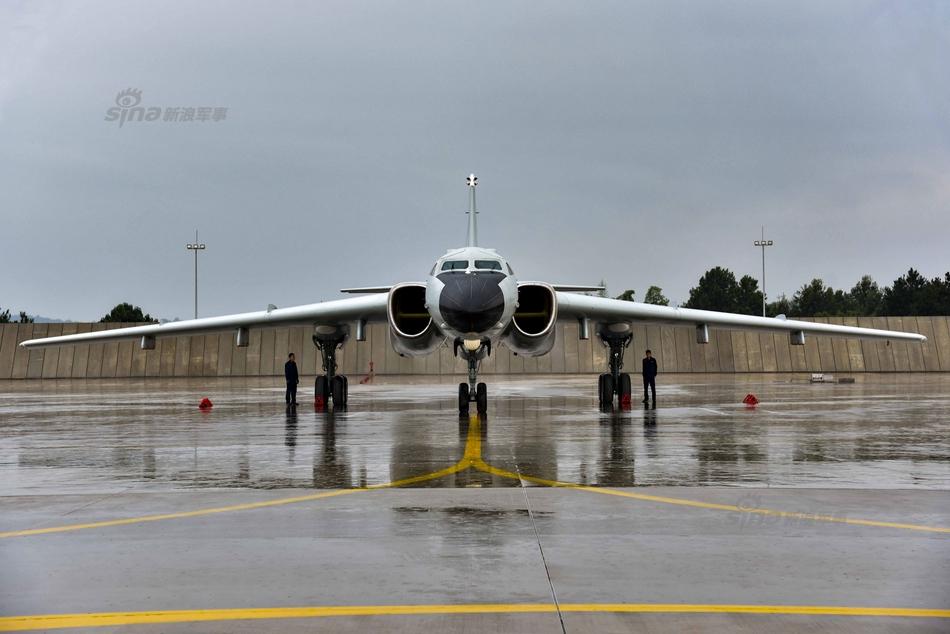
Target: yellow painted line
(183,514)
(487,468)
(113,619)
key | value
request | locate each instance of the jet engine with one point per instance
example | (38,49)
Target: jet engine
(531,332)
(410,324)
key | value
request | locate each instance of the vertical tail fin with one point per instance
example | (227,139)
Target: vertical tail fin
(472,181)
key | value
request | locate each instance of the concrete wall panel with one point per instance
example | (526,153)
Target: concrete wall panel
(855,350)
(869,348)
(740,356)
(727,359)
(885,351)
(839,346)
(783,353)
(668,339)
(182,355)
(225,354)
(110,355)
(767,343)
(196,355)
(684,343)
(96,354)
(123,362)
(35,364)
(269,347)
(21,356)
(64,365)
(928,349)
(901,356)
(8,344)
(753,345)
(252,360)
(209,360)
(941,327)
(51,358)
(571,332)
(711,351)
(915,351)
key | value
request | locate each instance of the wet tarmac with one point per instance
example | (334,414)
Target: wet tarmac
(121,497)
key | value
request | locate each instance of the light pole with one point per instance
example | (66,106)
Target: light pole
(761,243)
(196,247)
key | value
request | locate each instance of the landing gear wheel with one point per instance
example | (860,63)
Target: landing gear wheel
(606,390)
(463,398)
(600,389)
(321,392)
(338,388)
(624,390)
(481,398)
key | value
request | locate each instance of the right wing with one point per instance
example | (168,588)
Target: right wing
(368,308)
(605,310)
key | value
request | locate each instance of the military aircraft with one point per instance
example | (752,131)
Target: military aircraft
(472,300)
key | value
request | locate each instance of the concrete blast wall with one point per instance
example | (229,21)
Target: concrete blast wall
(674,346)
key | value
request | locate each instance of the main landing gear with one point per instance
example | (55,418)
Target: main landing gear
(473,392)
(615,382)
(330,386)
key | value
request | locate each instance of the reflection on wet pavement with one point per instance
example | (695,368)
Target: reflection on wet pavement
(884,431)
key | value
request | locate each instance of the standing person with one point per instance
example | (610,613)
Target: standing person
(290,374)
(649,376)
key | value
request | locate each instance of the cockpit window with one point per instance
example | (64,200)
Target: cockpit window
(455,265)
(491,265)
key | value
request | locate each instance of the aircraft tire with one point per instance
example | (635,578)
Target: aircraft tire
(625,388)
(481,398)
(338,389)
(607,391)
(463,398)
(321,391)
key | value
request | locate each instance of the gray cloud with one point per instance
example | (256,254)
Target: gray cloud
(639,143)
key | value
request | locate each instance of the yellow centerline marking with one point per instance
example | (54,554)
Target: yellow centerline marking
(112,619)
(472,459)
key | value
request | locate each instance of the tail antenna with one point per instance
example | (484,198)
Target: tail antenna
(472,181)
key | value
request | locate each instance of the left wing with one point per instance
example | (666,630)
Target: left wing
(368,308)
(602,309)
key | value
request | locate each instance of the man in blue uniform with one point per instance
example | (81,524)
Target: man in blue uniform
(290,374)
(649,377)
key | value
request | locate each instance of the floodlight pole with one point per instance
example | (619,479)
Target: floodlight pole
(196,247)
(763,243)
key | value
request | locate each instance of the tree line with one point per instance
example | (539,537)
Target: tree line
(910,294)
(122,313)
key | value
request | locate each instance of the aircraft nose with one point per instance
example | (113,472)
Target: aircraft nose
(471,302)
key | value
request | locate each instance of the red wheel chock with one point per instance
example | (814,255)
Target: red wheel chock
(750,400)
(205,404)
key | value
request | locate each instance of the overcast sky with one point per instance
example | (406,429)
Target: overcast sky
(642,143)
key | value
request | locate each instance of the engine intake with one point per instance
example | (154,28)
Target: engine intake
(410,324)
(531,333)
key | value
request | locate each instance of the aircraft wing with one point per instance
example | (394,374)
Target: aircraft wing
(368,307)
(602,309)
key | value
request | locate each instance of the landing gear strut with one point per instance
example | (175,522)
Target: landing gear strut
(473,391)
(614,381)
(330,386)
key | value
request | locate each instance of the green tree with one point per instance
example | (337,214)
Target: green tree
(781,306)
(5,316)
(627,295)
(603,291)
(655,296)
(717,290)
(24,318)
(126,313)
(817,300)
(867,299)
(907,295)
(749,299)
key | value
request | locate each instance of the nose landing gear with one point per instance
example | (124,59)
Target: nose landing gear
(614,381)
(473,391)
